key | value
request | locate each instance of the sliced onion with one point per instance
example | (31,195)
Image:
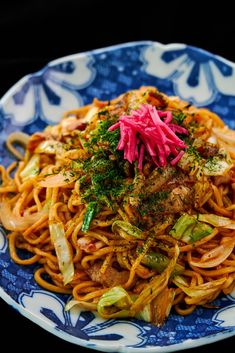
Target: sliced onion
(81,304)
(18,223)
(225,134)
(216,256)
(217,221)
(58,180)
(231,150)
(89,115)
(201,290)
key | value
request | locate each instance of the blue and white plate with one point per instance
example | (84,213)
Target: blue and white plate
(40,99)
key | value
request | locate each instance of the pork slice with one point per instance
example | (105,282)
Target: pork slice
(180,199)
(158,178)
(110,278)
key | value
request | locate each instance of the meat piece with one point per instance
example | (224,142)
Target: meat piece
(167,179)
(35,140)
(137,189)
(89,244)
(175,201)
(180,199)
(158,178)
(110,278)
(207,150)
(71,123)
(166,191)
(156,99)
(119,106)
(100,104)
(222,179)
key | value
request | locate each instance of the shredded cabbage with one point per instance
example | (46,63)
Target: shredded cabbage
(63,251)
(189,229)
(114,303)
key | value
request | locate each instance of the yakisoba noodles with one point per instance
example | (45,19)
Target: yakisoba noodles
(128,205)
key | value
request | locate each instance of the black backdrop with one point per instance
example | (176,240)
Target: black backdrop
(34,32)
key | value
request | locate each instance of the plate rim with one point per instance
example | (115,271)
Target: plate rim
(86,53)
(186,344)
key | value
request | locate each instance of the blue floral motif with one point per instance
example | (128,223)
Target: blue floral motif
(50,91)
(82,324)
(197,75)
(84,319)
(225,317)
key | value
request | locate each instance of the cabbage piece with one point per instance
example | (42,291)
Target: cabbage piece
(114,303)
(217,221)
(59,179)
(196,232)
(189,229)
(127,231)
(31,169)
(145,314)
(180,280)
(63,251)
(216,166)
(181,226)
(201,290)
(161,306)
(213,166)
(81,304)
(50,147)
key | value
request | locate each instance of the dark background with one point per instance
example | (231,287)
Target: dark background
(35,32)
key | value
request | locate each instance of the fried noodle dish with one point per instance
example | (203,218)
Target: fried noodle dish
(128,205)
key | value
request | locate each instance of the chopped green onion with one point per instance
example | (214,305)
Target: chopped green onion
(159,262)
(127,231)
(89,215)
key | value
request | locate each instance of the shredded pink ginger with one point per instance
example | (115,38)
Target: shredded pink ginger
(148,130)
